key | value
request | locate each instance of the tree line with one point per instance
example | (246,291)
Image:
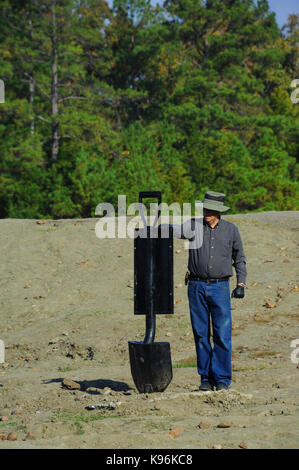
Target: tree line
(104,99)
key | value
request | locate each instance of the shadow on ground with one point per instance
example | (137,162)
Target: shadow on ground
(85,385)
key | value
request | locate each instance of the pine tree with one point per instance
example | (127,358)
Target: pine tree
(56,104)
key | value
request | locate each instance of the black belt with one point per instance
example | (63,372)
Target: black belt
(196,278)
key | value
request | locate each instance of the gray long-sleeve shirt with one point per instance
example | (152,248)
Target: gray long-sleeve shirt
(217,249)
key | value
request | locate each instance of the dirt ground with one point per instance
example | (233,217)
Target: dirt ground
(67,315)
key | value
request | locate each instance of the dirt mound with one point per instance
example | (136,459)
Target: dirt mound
(67,316)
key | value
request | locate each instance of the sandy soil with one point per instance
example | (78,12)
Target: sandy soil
(66,319)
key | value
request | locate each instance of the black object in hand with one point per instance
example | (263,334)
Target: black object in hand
(238,292)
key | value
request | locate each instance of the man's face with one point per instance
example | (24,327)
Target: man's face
(211,217)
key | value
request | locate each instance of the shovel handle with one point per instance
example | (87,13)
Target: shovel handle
(150,315)
(152,194)
(148,194)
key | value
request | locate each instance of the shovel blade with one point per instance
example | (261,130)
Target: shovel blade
(151,366)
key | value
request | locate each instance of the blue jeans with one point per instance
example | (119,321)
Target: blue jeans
(205,300)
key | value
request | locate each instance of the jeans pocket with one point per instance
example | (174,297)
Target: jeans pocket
(191,287)
(225,290)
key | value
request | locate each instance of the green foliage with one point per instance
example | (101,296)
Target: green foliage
(184,98)
(150,160)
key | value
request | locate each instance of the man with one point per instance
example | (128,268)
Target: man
(210,267)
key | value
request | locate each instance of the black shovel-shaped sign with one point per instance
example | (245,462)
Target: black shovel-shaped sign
(150,361)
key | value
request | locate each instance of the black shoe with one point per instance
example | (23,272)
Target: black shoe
(206,386)
(221,386)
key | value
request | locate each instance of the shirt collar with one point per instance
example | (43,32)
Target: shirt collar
(216,226)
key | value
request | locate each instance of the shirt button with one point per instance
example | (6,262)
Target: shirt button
(212,247)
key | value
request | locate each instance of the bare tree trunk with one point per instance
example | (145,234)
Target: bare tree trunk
(31,88)
(54,90)
(31,98)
